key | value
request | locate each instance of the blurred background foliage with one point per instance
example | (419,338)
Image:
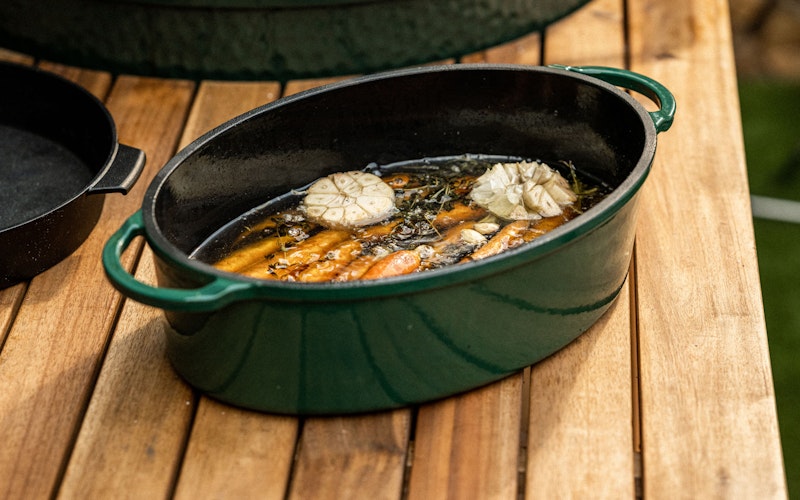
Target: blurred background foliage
(767,46)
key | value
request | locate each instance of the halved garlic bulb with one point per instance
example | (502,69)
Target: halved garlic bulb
(349,199)
(522,191)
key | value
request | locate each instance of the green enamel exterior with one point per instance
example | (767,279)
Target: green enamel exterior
(348,356)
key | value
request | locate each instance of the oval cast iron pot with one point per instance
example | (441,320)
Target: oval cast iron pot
(59,156)
(304,348)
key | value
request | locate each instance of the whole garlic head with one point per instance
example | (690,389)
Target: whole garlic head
(526,190)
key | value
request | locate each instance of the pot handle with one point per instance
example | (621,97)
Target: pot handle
(646,86)
(123,170)
(214,295)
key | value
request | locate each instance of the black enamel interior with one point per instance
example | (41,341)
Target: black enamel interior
(497,111)
(54,139)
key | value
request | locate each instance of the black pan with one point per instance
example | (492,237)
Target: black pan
(59,155)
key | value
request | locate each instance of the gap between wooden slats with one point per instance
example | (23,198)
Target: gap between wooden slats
(636,418)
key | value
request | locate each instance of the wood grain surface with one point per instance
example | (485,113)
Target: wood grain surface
(708,403)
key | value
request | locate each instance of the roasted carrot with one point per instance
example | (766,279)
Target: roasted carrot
(307,251)
(346,261)
(357,267)
(543,226)
(449,247)
(395,264)
(397,180)
(508,237)
(251,254)
(376,230)
(458,213)
(336,259)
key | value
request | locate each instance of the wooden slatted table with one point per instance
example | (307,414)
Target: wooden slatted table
(669,395)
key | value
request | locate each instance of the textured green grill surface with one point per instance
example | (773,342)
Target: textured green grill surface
(254,39)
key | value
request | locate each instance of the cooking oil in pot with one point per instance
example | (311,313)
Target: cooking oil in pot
(402,218)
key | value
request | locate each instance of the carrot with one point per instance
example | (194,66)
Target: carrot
(335,260)
(251,254)
(398,180)
(349,263)
(508,237)
(543,226)
(376,231)
(307,251)
(395,264)
(449,247)
(458,213)
(268,223)
(356,268)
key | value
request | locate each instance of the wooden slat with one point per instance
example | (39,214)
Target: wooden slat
(138,417)
(234,453)
(593,35)
(352,457)
(468,446)
(709,425)
(525,50)
(15,57)
(580,399)
(219,101)
(296,86)
(136,421)
(581,415)
(96,82)
(10,300)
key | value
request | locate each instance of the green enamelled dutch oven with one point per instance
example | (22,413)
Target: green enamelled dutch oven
(325,348)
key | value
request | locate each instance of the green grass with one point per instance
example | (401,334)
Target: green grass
(771,121)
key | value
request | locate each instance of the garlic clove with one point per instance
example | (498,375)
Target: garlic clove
(486,227)
(539,200)
(560,191)
(472,237)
